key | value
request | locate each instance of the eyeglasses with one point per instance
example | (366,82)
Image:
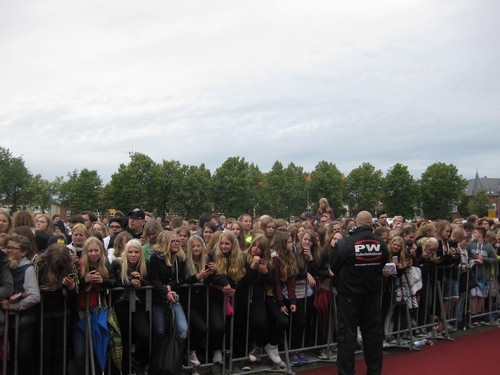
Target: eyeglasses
(12,248)
(175,241)
(115,227)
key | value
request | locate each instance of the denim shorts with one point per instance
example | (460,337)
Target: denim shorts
(450,288)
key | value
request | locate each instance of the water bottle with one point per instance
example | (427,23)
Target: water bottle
(419,343)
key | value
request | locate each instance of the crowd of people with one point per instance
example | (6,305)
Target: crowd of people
(276,276)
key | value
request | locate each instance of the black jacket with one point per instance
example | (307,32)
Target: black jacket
(357,262)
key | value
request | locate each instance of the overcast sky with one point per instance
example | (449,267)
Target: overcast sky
(82,83)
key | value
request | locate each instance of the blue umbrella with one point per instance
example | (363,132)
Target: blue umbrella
(100,334)
(99,331)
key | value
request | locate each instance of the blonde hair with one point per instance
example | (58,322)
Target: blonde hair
(427,242)
(327,206)
(151,224)
(101,264)
(9,220)
(426,229)
(236,267)
(141,265)
(163,246)
(402,252)
(103,228)
(80,227)
(195,266)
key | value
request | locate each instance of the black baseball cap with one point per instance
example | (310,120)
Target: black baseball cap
(138,213)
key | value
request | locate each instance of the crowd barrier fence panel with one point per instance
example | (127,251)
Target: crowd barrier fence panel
(405,323)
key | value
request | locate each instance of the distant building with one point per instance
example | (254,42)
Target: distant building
(492,187)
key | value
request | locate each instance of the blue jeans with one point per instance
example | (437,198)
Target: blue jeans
(160,317)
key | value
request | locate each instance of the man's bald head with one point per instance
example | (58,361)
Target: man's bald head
(364,218)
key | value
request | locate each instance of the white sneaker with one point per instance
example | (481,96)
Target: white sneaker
(194,359)
(255,354)
(322,354)
(272,352)
(217,357)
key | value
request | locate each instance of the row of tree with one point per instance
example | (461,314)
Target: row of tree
(237,186)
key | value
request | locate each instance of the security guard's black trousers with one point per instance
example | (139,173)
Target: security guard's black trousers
(363,311)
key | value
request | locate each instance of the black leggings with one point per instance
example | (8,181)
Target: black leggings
(279,319)
(140,332)
(197,325)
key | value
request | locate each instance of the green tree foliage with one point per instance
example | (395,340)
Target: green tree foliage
(440,185)
(195,191)
(14,179)
(480,203)
(170,187)
(400,192)
(284,190)
(271,201)
(39,193)
(235,186)
(82,191)
(363,188)
(294,190)
(256,179)
(326,181)
(464,208)
(136,184)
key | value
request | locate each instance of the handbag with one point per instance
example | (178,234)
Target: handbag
(321,303)
(413,280)
(322,298)
(168,349)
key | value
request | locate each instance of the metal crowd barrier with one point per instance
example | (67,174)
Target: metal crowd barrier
(414,317)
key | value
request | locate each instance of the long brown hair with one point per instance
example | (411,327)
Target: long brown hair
(53,266)
(287,259)
(315,250)
(241,238)
(444,241)
(118,243)
(263,244)
(263,226)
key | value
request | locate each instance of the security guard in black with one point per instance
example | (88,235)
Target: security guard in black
(357,262)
